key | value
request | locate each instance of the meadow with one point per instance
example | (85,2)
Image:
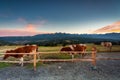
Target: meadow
(115,48)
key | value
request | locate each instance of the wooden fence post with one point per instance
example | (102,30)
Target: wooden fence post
(94,57)
(35,59)
(72,56)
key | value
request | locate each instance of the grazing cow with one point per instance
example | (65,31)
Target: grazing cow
(75,47)
(107,45)
(24,49)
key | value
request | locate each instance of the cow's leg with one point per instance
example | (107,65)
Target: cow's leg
(84,53)
(72,56)
(21,61)
(81,54)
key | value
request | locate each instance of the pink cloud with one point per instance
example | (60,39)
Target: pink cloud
(18,32)
(29,29)
(110,28)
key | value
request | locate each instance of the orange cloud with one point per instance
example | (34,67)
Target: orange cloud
(31,28)
(115,27)
(115,30)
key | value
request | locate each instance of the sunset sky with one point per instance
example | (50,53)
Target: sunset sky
(30,17)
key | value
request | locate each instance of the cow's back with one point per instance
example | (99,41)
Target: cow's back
(66,49)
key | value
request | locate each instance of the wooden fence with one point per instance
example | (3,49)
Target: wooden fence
(35,60)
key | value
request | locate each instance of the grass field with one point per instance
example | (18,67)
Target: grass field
(115,48)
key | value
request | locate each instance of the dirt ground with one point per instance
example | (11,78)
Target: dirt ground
(106,70)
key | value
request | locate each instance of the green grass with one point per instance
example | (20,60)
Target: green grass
(3,65)
(49,49)
(4,48)
(57,48)
(55,56)
(115,48)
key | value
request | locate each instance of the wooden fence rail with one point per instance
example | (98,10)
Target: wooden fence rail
(35,60)
(92,59)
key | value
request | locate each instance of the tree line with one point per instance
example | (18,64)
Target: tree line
(61,39)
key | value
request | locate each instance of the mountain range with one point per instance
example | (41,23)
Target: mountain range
(62,38)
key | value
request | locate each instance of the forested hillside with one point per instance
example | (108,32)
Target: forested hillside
(61,38)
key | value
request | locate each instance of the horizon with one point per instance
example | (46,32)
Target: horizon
(32,17)
(64,33)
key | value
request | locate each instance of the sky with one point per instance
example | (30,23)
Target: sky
(30,17)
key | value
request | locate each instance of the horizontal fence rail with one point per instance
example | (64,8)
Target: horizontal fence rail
(16,61)
(54,52)
(74,52)
(19,53)
(64,60)
(35,60)
(92,59)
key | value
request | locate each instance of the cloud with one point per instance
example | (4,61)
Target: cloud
(31,28)
(22,20)
(115,27)
(18,32)
(28,30)
(37,22)
(42,22)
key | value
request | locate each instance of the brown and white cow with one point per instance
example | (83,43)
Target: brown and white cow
(81,48)
(107,45)
(75,47)
(24,49)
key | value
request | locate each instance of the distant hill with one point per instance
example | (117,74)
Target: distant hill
(62,38)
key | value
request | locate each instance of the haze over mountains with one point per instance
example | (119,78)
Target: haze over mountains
(115,27)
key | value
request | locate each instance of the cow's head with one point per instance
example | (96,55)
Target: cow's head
(7,55)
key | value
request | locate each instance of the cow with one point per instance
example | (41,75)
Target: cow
(76,47)
(107,45)
(24,49)
(81,48)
